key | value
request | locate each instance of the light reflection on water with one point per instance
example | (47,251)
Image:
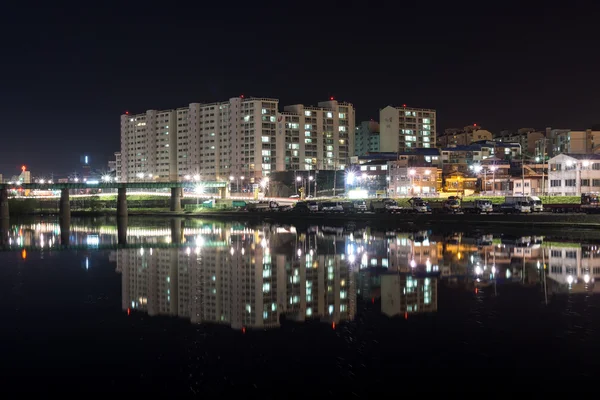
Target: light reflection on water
(249,277)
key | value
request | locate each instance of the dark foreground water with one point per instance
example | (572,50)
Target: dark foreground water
(202,307)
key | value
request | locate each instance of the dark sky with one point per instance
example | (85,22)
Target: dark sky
(67,74)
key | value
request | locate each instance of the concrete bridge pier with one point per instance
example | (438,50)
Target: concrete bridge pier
(176,195)
(4,228)
(65,231)
(122,230)
(64,207)
(176,231)
(224,192)
(4,212)
(121,202)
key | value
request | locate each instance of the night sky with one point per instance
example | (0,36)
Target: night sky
(68,74)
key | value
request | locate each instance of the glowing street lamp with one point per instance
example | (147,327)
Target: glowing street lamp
(199,189)
(196,177)
(350,176)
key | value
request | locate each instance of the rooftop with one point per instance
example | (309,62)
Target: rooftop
(421,151)
(582,156)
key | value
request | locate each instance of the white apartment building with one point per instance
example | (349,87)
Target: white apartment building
(404,128)
(247,138)
(573,174)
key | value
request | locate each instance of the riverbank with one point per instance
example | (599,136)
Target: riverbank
(383,220)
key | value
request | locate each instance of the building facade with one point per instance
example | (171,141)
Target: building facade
(573,174)
(242,137)
(463,137)
(366,139)
(413,181)
(404,128)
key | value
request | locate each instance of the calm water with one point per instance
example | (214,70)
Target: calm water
(202,307)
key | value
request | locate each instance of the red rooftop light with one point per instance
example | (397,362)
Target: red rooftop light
(331,98)
(403,105)
(474,124)
(126,112)
(241,96)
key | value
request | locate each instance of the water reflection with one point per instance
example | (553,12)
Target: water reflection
(249,276)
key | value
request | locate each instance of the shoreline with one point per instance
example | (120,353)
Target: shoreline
(532,220)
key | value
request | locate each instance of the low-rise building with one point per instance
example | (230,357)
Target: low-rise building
(405,180)
(573,174)
(463,137)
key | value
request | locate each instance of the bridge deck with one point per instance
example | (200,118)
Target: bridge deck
(114,185)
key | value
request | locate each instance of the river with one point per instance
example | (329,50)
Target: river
(201,307)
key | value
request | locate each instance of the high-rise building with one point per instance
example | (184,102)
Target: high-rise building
(405,128)
(241,137)
(366,139)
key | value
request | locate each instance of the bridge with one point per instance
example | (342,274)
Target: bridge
(65,188)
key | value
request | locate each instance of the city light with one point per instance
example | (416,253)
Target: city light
(298,179)
(196,177)
(106,178)
(357,194)
(350,176)
(264,182)
(412,172)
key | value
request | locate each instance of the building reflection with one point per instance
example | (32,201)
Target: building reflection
(252,275)
(403,294)
(244,278)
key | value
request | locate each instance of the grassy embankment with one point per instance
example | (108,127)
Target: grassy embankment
(159,204)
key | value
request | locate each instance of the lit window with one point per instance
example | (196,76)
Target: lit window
(307,133)
(266,152)
(342,115)
(308,126)
(342,129)
(264,111)
(329,115)
(307,140)
(272,118)
(266,139)
(246,118)
(363,168)
(307,113)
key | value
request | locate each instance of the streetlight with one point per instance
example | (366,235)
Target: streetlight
(196,177)
(310,179)
(199,190)
(187,177)
(264,183)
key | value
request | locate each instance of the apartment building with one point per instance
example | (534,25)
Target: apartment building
(242,137)
(404,128)
(366,138)
(573,174)
(463,137)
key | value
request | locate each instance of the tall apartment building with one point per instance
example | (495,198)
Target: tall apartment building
(240,137)
(404,128)
(366,138)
